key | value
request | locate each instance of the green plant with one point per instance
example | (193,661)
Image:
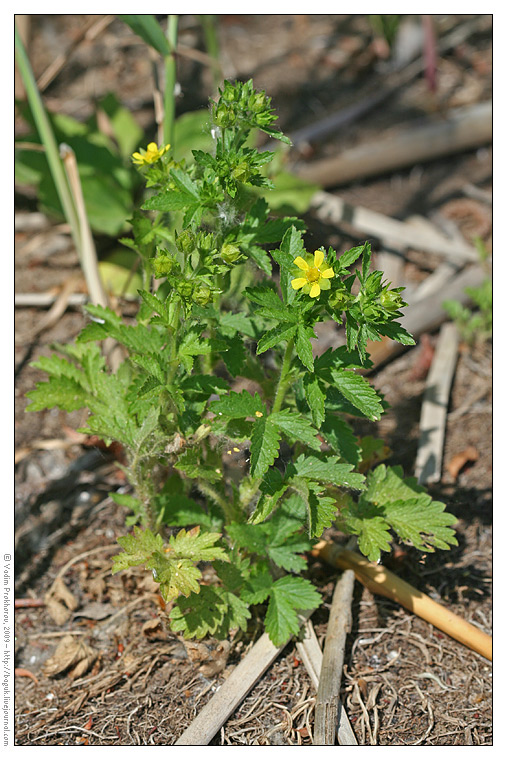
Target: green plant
(474,325)
(217,311)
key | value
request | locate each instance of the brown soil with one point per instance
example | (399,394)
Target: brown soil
(404,682)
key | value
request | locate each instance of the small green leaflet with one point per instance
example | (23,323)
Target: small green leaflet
(315,397)
(328,470)
(238,405)
(266,438)
(214,611)
(284,331)
(288,596)
(303,345)
(359,392)
(264,448)
(272,489)
(189,463)
(340,437)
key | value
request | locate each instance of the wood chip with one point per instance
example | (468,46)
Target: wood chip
(428,465)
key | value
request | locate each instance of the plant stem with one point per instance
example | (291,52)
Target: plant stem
(281,390)
(48,139)
(283,380)
(170,80)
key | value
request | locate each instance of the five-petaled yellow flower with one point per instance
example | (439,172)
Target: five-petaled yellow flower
(316,275)
(150,155)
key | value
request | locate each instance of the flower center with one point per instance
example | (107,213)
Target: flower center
(313,274)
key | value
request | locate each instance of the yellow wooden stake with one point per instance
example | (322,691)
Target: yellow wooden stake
(379,580)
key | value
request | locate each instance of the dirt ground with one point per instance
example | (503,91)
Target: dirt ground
(404,683)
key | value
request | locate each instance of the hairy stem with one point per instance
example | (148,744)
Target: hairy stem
(284,379)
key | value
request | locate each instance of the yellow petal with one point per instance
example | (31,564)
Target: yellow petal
(152,147)
(328,273)
(318,258)
(315,291)
(298,282)
(301,263)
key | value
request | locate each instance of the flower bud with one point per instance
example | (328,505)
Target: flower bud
(202,294)
(205,242)
(162,265)
(184,288)
(241,172)
(230,253)
(185,242)
(257,102)
(224,116)
(390,300)
(339,299)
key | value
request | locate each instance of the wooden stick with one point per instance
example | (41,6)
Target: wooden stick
(327,706)
(462,129)
(310,652)
(331,209)
(232,692)
(428,463)
(382,581)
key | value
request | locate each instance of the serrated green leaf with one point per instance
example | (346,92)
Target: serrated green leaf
(138,548)
(303,345)
(328,470)
(214,611)
(62,392)
(349,257)
(296,428)
(358,392)
(288,596)
(396,332)
(340,437)
(238,405)
(272,489)
(264,448)
(200,614)
(274,337)
(189,463)
(235,355)
(315,397)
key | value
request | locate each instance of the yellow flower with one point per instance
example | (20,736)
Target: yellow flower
(316,275)
(150,155)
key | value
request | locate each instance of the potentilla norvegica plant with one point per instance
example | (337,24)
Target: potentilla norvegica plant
(219,311)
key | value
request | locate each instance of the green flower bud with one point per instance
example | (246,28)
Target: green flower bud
(339,299)
(202,294)
(230,253)
(162,265)
(185,242)
(257,102)
(184,288)
(228,93)
(241,172)
(391,301)
(224,116)
(205,242)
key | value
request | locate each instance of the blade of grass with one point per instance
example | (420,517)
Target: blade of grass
(209,25)
(47,136)
(170,80)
